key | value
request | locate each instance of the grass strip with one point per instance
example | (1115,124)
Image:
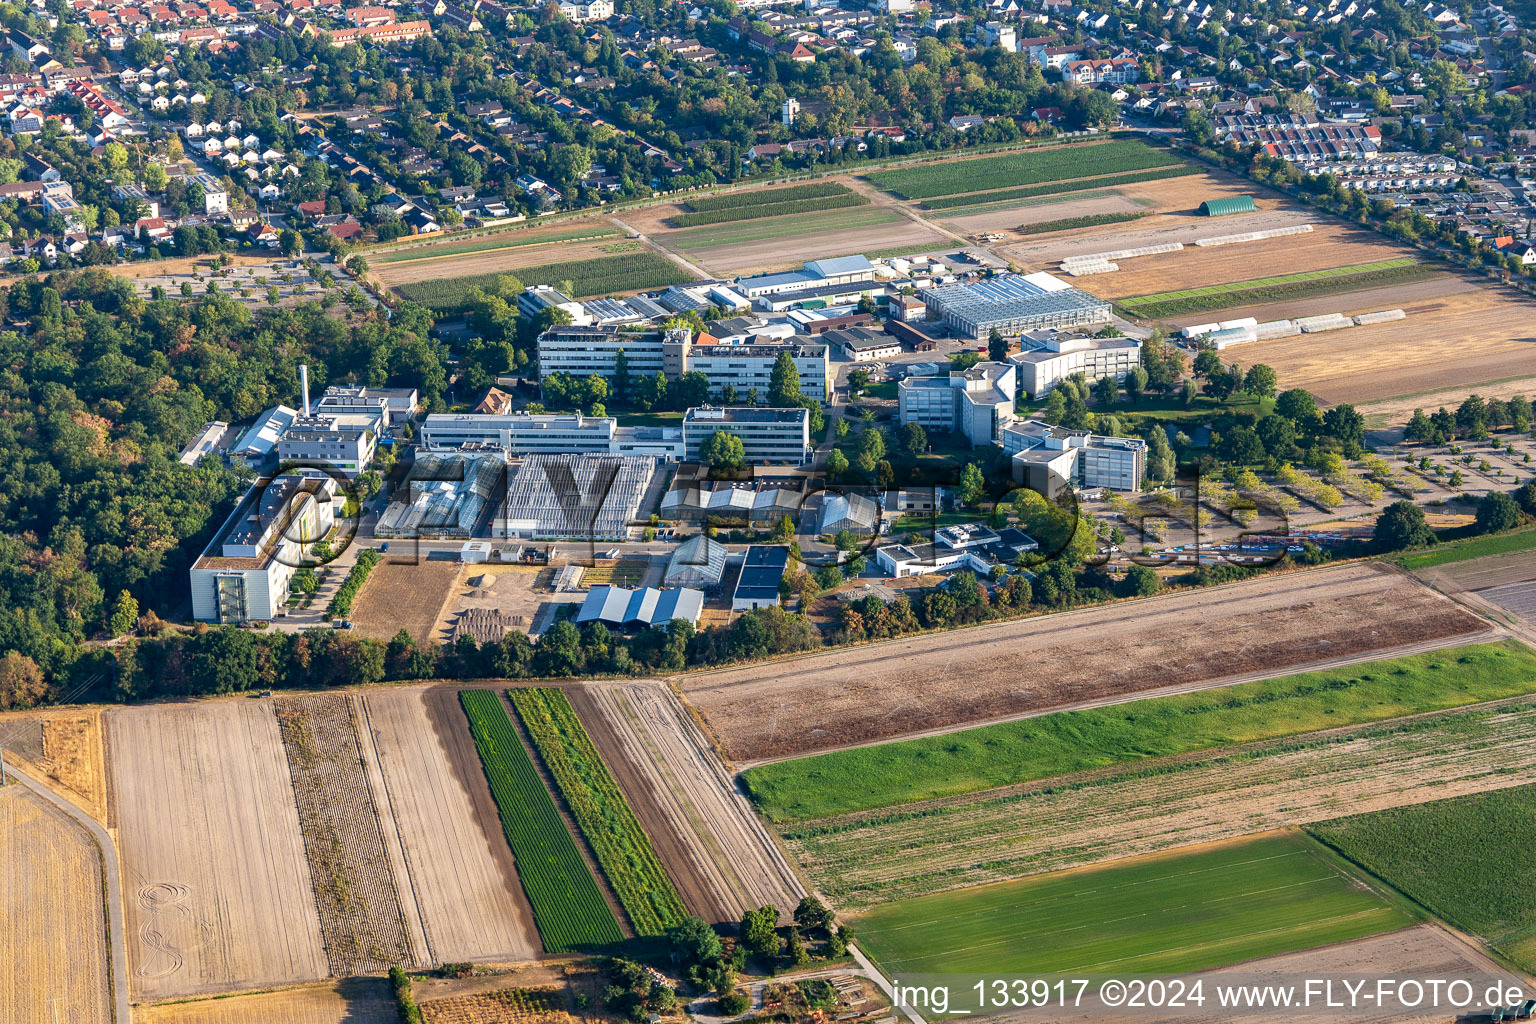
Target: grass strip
(776,209)
(1306,288)
(1057,188)
(605,818)
(604,275)
(888,774)
(1087,221)
(929,181)
(1475,547)
(569,910)
(789,226)
(765,197)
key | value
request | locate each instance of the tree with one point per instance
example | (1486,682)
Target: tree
(837,464)
(695,942)
(1296,405)
(1106,391)
(1419,427)
(125,615)
(620,375)
(1345,424)
(759,933)
(812,914)
(1497,512)
(289,241)
(1260,381)
(1401,525)
(723,450)
(972,485)
(1241,445)
(1136,383)
(1140,581)
(914,439)
(1161,463)
(997,347)
(22,684)
(784,383)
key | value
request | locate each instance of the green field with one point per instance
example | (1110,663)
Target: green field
(1466,859)
(1310,283)
(604,275)
(1167,913)
(781,227)
(515,240)
(928,181)
(1027,204)
(568,908)
(601,812)
(890,774)
(980,201)
(1088,221)
(779,209)
(1475,547)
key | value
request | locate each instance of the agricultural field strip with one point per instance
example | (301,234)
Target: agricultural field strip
(767,197)
(980,202)
(1182,912)
(600,276)
(432,252)
(1283,297)
(788,226)
(568,907)
(1087,221)
(867,858)
(606,820)
(1266,282)
(943,179)
(784,209)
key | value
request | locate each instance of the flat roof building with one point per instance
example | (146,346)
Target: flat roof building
(1014,303)
(343,441)
(521,433)
(767,435)
(762,568)
(975,403)
(836,272)
(1045,362)
(1050,459)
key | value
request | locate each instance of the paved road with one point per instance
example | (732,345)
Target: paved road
(116,936)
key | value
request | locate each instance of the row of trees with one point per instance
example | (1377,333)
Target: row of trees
(1473,419)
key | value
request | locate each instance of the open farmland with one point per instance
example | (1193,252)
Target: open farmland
(1464,858)
(962,204)
(1280,288)
(865,778)
(714,847)
(609,826)
(360,918)
(1182,640)
(215,880)
(1160,803)
(602,275)
(568,907)
(350,1001)
(405,595)
(64,745)
(1030,167)
(778,202)
(444,825)
(1185,911)
(696,240)
(52,931)
(514,239)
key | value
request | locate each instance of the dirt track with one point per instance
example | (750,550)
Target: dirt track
(714,848)
(936,681)
(52,936)
(456,854)
(872,857)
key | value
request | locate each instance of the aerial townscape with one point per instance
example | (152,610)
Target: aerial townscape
(767,511)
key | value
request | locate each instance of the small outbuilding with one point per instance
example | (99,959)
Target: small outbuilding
(1229,205)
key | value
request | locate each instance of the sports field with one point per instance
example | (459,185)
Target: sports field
(1190,911)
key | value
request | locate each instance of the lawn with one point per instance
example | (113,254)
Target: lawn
(1169,409)
(605,275)
(1190,911)
(901,772)
(949,178)
(1311,283)
(568,908)
(1475,547)
(515,240)
(780,227)
(1465,859)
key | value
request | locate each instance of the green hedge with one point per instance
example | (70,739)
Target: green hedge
(410,1013)
(347,592)
(1091,220)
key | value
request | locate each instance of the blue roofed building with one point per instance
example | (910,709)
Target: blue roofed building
(761,570)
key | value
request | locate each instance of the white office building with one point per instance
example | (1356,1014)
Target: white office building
(345,442)
(1050,459)
(767,435)
(745,367)
(584,351)
(976,403)
(521,433)
(1047,361)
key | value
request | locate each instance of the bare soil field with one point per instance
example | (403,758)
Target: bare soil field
(1458,334)
(52,927)
(405,595)
(360,918)
(492,261)
(513,590)
(350,1001)
(454,851)
(714,848)
(186,265)
(217,889)
(789,252)
(1329,244)
(1037,211)
(417,247)
(872,857)
(933,682)
(64,745)
(1395,412)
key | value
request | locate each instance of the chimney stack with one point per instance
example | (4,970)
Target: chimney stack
(304,386)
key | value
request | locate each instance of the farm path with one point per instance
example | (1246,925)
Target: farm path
(907,210)
(698,273)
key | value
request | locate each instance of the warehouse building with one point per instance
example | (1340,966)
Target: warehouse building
(573,497)
(862,344)
(1050,459)
(976,403)
(1046,361)
(640,609)
(834,274)
(761,570)
(1013,304)
(1227,206)
(244,573)
(697,562)
(767,435)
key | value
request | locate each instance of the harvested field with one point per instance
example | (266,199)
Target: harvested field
(632,269)
(713,846)
(406,595)
(862,859)
(1281,290)
(360,918)
(1491,332)
(63,744)
(453,849)
(217,889)
(501,1006)
(488,261)
(52,927)
(514,238)
(1034,211)
(1183,640)
(350,1001)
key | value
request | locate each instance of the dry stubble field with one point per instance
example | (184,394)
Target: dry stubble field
(350,1001)
(405,595)
(63,744)
(934,682)
(52,932)
(215,883)
(455,852)
(871,857)
(493,261)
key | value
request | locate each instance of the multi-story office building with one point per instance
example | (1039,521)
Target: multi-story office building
(745,367)
(767,435)
(344,442)
(1051,459)
(521,433)
(976,403)
(1046,362)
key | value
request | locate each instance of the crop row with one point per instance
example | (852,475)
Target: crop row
(600,276)
(488,244)
(1088,221)
(601,812)
(993,172)
(1058,188)
(811,205)
(737,200)
(341,603)
(1311,288)
(568,908)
